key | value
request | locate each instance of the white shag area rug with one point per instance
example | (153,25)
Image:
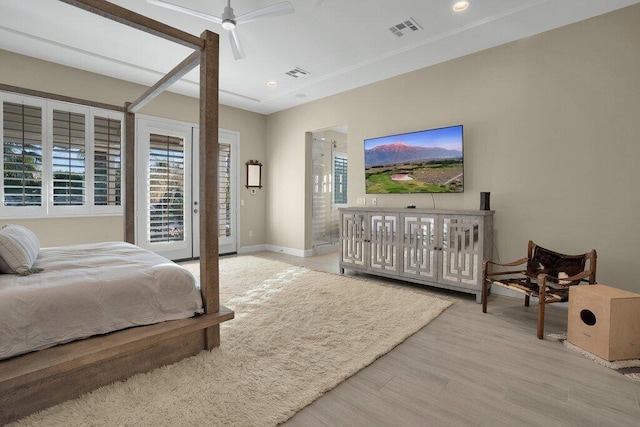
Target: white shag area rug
(297,334)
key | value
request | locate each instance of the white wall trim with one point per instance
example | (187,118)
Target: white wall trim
(251,249)
(280,249)
(290,251)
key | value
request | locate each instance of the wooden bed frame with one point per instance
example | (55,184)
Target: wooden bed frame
(37,380)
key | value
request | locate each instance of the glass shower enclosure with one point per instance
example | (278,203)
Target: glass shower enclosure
(330,165)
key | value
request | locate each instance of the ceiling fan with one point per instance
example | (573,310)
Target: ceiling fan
(229,21)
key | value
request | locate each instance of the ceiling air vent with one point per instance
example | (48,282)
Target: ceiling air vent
(297,72)
(405,27)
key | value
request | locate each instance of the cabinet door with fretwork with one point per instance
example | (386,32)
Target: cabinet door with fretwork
(419,246)
(383,242)
(353,238)
(461,249)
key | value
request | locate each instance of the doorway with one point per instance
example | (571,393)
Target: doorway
(168,187)
(228,190)
(330,182)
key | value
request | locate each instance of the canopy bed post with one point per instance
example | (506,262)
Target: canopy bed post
(209,277)
(129,175)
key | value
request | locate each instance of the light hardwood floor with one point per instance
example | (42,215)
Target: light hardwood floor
(467,368)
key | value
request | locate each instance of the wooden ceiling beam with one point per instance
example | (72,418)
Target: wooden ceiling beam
(127,17)
(170,78)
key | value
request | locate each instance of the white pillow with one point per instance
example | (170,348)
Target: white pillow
(4,267)
(19,249)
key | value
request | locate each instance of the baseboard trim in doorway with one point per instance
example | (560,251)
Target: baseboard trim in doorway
(278,249)
(290,251)
(251,249)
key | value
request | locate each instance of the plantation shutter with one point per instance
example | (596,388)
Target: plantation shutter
(107,172)
(339,180)
(22,154)
(224,190)
(68,155)
(166,188)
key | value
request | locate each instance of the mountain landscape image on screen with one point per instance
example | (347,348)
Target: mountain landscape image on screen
(420,162)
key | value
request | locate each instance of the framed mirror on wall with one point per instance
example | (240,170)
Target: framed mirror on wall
(254,174)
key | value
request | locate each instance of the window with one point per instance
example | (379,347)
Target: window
(340,179)
(68,158)
(22,154)
(59,159)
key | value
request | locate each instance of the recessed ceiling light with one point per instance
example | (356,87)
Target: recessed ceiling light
(300,95)
(461,5)
(272,84)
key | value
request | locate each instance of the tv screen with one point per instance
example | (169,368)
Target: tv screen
(428,161)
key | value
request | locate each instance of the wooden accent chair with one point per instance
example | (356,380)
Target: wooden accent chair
(547,277)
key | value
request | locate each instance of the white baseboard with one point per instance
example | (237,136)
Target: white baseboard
(325,249)
(251,249)
(290,251)
(280,249)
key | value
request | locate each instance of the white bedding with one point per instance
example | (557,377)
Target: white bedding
(86,290)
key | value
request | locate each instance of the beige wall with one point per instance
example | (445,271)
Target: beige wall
(551,130)
(72,231)
(26,72)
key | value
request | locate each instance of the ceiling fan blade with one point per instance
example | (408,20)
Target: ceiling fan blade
(236,47)
(278,9)
(186,10)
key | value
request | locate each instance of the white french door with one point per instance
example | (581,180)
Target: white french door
(228,190)
(164,188)
(168,214)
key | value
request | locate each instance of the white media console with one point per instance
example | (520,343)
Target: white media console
(435,247)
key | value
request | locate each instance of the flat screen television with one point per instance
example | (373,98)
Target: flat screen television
(428,161)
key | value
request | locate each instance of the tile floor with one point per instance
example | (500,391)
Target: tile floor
(468,368)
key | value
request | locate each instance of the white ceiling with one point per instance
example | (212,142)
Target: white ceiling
(343,44)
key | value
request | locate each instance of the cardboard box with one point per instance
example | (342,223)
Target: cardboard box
(604,321)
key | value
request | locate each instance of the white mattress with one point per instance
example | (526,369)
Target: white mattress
(86,290)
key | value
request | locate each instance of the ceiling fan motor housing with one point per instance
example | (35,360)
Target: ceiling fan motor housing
(228,18)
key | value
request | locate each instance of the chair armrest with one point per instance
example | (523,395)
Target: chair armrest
(508,264)
(543,277)
(486,262)
(506,272)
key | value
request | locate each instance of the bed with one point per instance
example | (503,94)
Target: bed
(38,379)
(87,290)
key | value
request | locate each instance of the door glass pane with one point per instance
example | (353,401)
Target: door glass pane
(22,154)
(107,161)
(224,190)
(166,188)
